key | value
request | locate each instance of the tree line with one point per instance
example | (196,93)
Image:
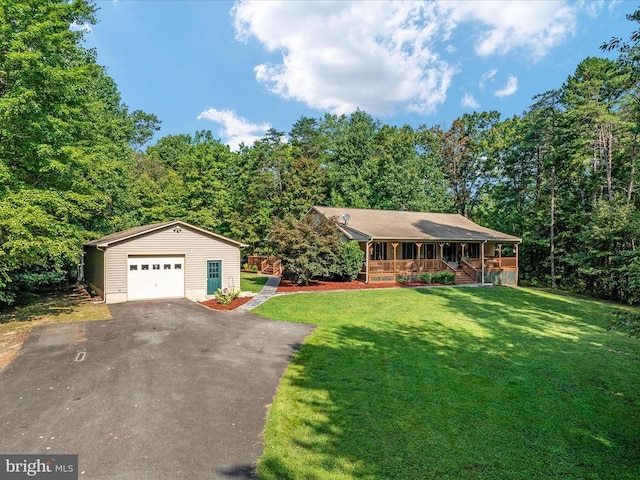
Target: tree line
(563,175)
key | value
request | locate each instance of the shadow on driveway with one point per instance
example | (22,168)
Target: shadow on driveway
(165,390)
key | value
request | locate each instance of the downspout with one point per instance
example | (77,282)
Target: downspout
(517,245)
(367,255)
(482,252)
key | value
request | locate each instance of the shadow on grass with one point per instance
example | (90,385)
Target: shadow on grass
(51,305)
(513,385)
(252,282)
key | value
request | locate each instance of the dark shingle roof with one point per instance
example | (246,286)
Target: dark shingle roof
(415,226)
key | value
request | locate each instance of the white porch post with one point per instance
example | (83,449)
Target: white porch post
(367,253)
(482,257)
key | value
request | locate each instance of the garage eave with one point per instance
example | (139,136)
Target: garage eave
(117,237)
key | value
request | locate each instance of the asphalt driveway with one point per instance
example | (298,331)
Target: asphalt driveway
(166,390)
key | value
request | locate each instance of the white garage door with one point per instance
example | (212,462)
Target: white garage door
(155,277)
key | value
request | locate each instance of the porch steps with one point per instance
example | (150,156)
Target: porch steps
(462,278)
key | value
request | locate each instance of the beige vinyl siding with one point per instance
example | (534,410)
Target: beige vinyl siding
(94,269)
(195,246)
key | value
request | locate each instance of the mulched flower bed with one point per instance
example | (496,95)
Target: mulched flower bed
(235,303)
(286,286)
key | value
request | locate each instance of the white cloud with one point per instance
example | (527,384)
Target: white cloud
(387,56)
(81,27)
(469,102)
(235,130)
(533,27)
(338,56)
(487,77)
(509,89)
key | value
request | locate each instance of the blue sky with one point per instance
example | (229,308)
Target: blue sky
(238,69)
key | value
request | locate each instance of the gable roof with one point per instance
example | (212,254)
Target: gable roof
(109,240)
(386,225)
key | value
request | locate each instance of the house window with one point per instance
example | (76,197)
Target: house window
(145,267)
(156,266)
(133,267)
(177,266)
(167,266)
(378,251)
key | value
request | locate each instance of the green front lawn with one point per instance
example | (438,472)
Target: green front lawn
(454,383)
(252,282)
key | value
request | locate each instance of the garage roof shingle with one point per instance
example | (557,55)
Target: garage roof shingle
(116,237)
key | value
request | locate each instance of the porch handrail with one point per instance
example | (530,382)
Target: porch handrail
(469,269)
(277,268)
(446,266)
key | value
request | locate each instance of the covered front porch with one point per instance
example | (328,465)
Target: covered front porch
(471,262)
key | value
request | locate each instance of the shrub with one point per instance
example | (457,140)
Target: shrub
(254,268)
(629,321)
(425,277)
(245,266)
(349,262)
(445,278)
(226,296)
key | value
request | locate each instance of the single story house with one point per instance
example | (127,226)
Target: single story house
(402,245)
(163,260)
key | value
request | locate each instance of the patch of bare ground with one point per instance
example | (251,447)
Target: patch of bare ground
(16,323)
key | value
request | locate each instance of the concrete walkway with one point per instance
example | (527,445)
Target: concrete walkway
(268,291)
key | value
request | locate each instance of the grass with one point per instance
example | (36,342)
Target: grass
(454,384)
(17,322)
(252,282)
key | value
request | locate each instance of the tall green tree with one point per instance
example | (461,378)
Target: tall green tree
(144,127)
(464,151)
(194,184)
(64,143)
(350,164)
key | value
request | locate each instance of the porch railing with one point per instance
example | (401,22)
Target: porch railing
(277,268)
(446,266)
(264,262)
(469,268)
(405,266)
(492,262)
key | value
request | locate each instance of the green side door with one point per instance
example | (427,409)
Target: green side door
(214,272)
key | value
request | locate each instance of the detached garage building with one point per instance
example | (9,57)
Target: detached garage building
(163,260)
